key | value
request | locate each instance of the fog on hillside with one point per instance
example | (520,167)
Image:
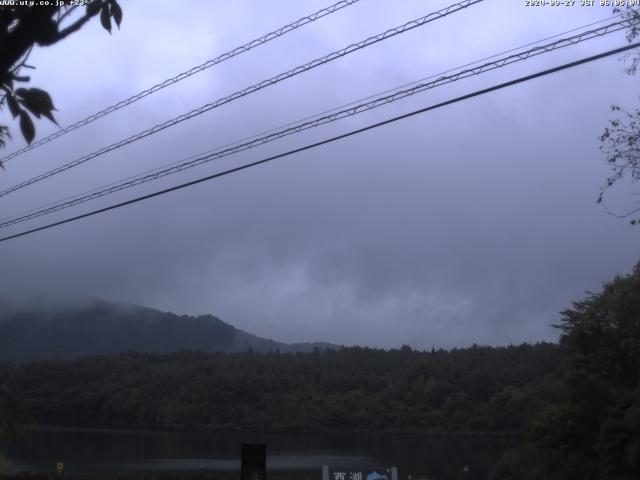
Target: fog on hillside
(360,240)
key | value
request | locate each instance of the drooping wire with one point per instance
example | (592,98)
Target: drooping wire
(249,90)
(200,159)
(181,76)
(330,140)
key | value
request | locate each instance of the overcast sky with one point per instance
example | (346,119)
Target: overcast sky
(472,223)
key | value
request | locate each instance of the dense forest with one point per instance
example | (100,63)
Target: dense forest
(477,389)
(592,430)
(575,405)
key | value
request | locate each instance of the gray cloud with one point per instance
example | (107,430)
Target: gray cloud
(473,223)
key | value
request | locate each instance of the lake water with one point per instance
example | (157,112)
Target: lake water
(106,452)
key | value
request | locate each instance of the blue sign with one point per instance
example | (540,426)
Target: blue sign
(366,473)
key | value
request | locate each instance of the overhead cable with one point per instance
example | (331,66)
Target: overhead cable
(329,140)
(249,90)
(181,76)
(305,125)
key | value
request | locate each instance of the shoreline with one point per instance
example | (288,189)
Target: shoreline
(469,434)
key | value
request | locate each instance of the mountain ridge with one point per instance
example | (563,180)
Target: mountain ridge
(45,331)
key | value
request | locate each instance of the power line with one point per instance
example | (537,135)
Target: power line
(254,88)
(330,140)
(354,102)
(181,76)
(504,52)
(305,125)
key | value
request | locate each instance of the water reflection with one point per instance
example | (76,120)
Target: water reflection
(104,451)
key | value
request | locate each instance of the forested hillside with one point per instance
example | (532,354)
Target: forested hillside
(477,389)
(97,327)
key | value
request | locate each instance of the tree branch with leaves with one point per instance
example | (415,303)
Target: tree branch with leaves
(21,29)
(620,141)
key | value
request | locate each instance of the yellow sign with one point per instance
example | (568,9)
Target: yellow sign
(59,468)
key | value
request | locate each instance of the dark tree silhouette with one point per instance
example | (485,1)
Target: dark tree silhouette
(471,390)
(621,138)
(21,29)
(593,432)
(13,414)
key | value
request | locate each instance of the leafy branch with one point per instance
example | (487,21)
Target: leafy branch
(22,28)
(620,141)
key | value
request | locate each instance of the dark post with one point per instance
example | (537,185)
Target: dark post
(254,462)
